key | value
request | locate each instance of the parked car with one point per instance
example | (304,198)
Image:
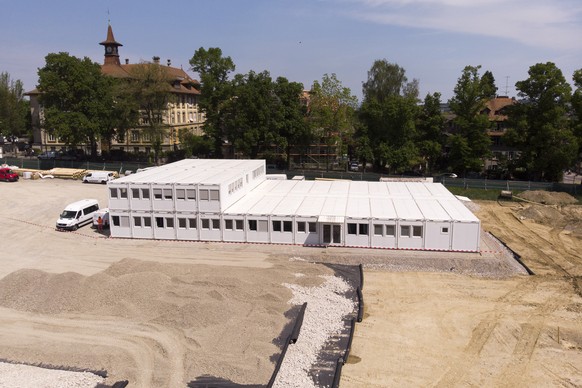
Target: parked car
(449,175)
(77,214)
(47,155)
(98,177)
(8,175)
(354,166)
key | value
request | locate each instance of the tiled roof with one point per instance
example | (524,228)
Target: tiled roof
(495,105)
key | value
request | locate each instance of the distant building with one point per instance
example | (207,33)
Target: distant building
(183,115)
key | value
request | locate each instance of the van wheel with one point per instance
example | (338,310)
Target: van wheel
(75,227)
(103,182)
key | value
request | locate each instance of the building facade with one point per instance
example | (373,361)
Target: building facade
(183,113)
(234,201)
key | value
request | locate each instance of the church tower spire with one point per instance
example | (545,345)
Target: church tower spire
(111,51)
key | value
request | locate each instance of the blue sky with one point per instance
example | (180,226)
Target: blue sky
(433,40)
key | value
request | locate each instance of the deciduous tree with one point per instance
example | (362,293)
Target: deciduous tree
(14,110)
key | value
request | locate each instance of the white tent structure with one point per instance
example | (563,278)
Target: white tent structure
(233,201)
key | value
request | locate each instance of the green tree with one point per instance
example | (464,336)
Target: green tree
(14,110)
(216,90)
(577,119)
(430,125)
(331,114)
(150,86)
(488,85)
(471,123)
(292,125)
(387,79)
(77,99)
(193,145)
(540,126)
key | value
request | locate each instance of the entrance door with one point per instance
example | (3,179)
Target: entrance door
(332,234)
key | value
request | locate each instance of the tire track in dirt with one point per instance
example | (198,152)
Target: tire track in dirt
(140,345)
(479,338)
(512,374)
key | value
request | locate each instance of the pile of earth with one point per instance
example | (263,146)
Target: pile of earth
(548,197)
(556,213)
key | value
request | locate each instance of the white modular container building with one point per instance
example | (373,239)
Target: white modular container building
(233,201)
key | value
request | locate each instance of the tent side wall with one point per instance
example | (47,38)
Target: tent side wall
(466,236)
(383,234)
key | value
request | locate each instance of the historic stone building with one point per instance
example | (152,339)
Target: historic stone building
(182,115)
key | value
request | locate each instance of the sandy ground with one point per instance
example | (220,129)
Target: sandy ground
(445,330)
(160,313)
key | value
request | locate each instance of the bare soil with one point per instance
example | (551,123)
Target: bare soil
(164,313)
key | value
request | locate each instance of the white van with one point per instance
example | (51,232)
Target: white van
(98,177)
(77,214)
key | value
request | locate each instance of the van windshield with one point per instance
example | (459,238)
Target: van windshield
(68,214)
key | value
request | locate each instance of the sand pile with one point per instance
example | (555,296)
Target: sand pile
(155,324)
(548,197)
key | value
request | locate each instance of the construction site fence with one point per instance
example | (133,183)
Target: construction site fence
(44,165)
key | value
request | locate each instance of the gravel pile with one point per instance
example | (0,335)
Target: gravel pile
(326,309)
(24,376)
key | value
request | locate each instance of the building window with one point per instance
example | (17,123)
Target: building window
(417,231)
(123,192)
(276,226)
(135,193)
(147,222)
(301,227)
(160,222)
(157,193)
(238,224)
(216,224)
(204,195)
(121,137)
(213,195)
(182,223)
(253,225)
(113,193)
(352,228)
(180,194)
(191,194)
(137,221)
(445,230)
(192,223)
(363,229)
(168,194)
(145,193)
(287,226)
(312,227)
(378,230)
(390,230)
(169,222)
(205,223)
(228,224)
(134,136)
(405,230)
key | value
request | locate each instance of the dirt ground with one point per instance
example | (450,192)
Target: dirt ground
(161,314)
(444,330)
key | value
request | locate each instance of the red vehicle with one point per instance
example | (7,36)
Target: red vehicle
(6,174)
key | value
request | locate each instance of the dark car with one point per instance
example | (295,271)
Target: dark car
(47,155)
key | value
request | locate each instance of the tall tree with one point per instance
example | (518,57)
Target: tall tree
(216,90)
(488,85)
(14,110)
(430,125)
(76,97)
(577,120)
(539,124)
(331,114)
(471,123)
(150,86)
(388,79)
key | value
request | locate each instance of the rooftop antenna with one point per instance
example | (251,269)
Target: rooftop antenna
(507,85)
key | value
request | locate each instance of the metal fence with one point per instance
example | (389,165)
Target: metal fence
(39,164)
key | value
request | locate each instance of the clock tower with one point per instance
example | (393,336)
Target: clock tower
(111,48)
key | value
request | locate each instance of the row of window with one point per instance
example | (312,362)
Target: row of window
(164,194)
(387,230)
(213,224)
(262,226)
(236,185)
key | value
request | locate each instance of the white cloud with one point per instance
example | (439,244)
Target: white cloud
(536,23)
